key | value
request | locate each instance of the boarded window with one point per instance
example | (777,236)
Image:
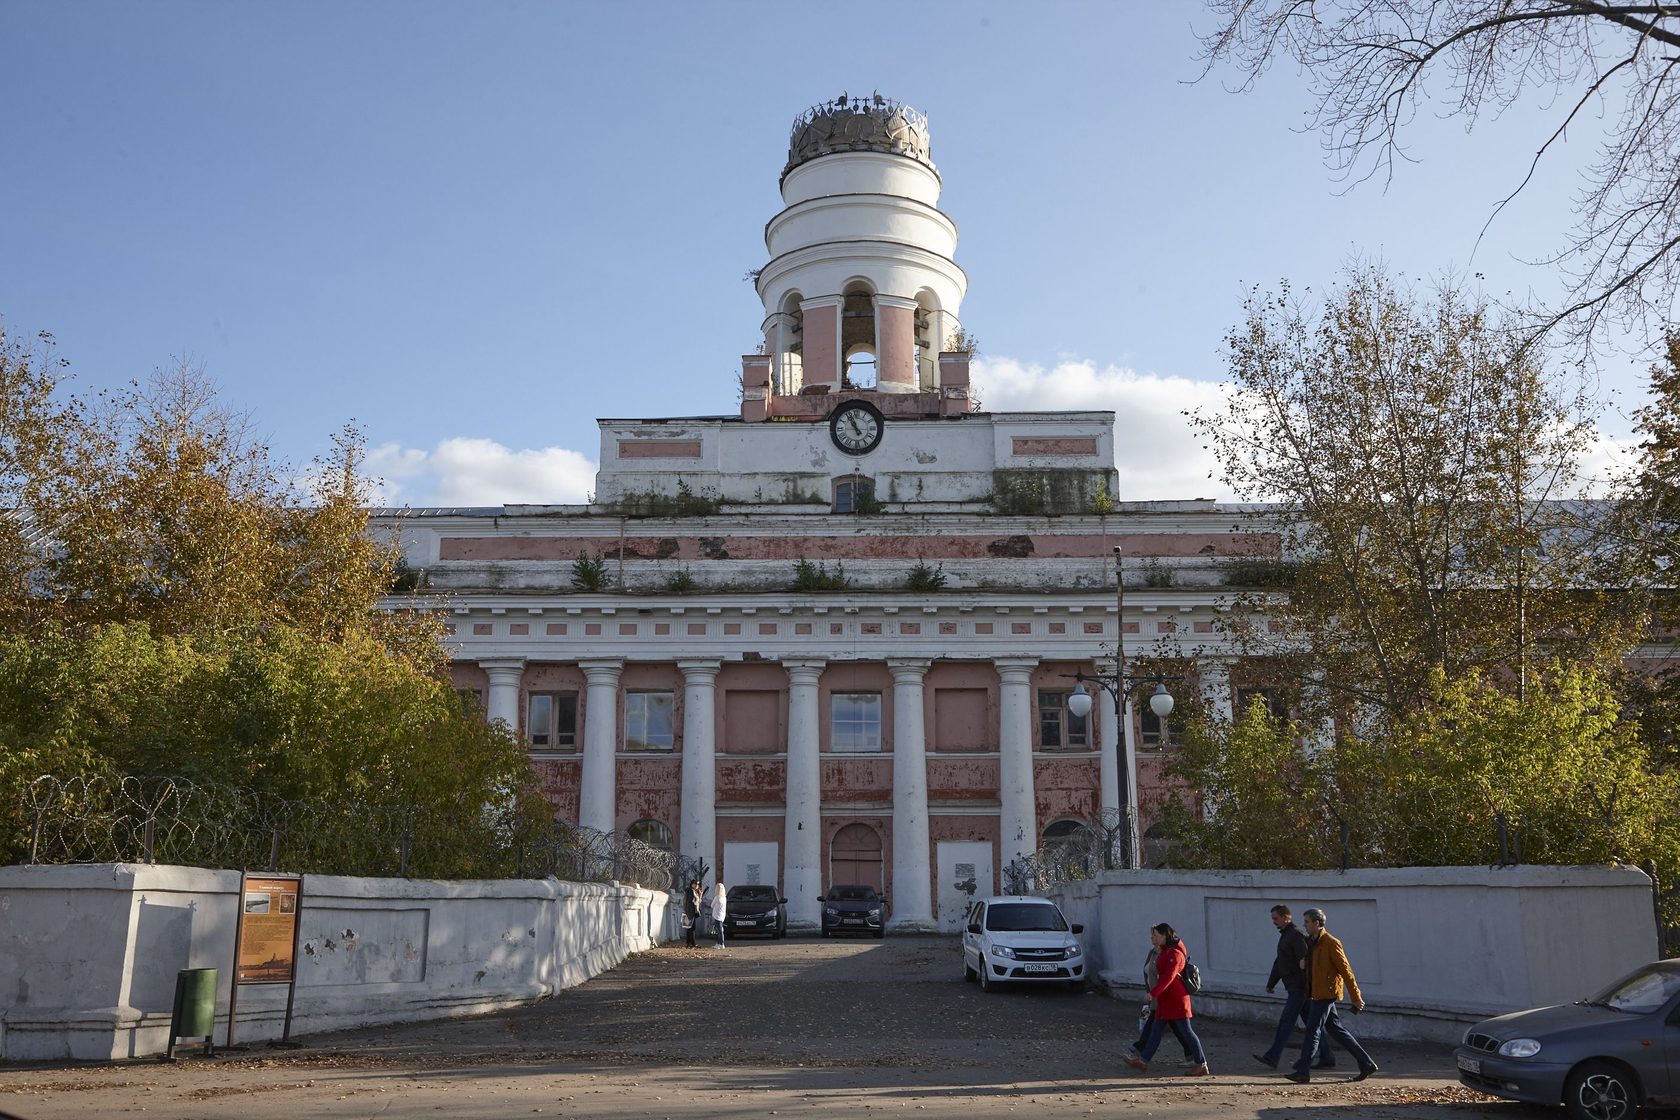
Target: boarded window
(752,721)
(959,720)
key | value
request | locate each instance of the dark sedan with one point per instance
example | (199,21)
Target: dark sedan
(853,909)
(755,909)
(1601,1058)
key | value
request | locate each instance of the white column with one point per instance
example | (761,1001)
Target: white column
(912,885)
(502,703)
(802,851)
(598,797)
(697,837)
(1018,821)
(1216,689)
(1108,758)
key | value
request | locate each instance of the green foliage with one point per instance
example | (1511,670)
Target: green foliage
(924,578)
(1419,454)
(816,577)
(1103,503)
(681,581)
(589,572)
(1569,778)
(686,502)
(276,712)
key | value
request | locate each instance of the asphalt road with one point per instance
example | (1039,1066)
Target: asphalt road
(803,1027)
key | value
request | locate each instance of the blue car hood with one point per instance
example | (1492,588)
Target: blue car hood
(1547,1020)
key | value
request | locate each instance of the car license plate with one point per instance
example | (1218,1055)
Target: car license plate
(1038,968)
(1470,1065)
(851,921)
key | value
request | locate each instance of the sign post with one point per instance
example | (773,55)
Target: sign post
(266,938)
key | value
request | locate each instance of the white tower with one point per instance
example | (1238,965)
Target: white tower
(861,291)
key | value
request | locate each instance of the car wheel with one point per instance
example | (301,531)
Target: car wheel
(1600,1091)
(986,983)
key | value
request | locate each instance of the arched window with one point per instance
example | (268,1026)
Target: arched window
(789,371)
(855,857)
(652,833)
(930,329)
(854,493)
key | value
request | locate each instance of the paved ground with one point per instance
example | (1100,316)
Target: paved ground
(803,1027)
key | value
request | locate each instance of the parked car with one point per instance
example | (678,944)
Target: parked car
(1602,1057)
(1014,938)
(755,909)
(853,908)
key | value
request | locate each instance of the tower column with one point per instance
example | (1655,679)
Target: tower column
(1018,819)
(698,837)
(895,336)
(822,357)
(802,858)
(502,700)
(912,885)
(598,792)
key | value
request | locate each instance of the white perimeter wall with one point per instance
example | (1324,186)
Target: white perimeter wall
(88,954)
(1434,948)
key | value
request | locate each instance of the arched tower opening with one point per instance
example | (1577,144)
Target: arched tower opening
(784,339)
(859,345)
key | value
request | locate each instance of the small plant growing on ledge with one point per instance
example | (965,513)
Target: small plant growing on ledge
(924,578)
(589,572)
(1103,504)
(681,581)
(816,577)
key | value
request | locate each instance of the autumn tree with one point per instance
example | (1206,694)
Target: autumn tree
(1373,67)
(1425,470)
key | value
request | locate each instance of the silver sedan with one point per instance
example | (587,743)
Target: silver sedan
(1601,1058)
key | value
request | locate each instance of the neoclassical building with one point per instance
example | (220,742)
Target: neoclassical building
(830,638)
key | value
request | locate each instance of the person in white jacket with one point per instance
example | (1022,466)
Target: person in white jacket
(720,906)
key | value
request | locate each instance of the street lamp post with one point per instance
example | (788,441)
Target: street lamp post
(1119,687)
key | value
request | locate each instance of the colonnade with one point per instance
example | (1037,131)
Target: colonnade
(801,872)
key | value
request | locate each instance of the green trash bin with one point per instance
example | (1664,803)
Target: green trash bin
(195,1009)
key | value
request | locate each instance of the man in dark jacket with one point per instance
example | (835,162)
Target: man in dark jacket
(1289,969)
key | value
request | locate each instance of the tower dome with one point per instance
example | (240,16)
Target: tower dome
(861,290)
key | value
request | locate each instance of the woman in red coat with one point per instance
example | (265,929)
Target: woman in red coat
(1171,1001)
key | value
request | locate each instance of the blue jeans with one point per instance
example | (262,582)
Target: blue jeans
(1295,1007)
(1186,1038)
(1323,1021)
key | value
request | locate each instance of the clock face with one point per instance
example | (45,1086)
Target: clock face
(856,427)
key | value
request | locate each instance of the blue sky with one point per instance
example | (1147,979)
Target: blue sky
(475,228)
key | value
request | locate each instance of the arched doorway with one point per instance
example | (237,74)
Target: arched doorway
(854,856)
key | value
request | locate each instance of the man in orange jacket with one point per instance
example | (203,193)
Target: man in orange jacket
(1327,967)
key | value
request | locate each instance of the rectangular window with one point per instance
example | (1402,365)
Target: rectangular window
(1274,703)
(1059,728)
(855,722)
(1154,733)
(647,721)
(853,494)
(551,721)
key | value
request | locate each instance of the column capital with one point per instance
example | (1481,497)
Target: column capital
(700,672)
(603,670)
(490,663)
(1015,670)
(909,670)
(805,670)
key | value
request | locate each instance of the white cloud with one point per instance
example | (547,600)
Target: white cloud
(1155,451)
(463,471)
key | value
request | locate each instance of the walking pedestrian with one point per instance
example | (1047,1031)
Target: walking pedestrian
(691,911)
(1171,1000)
(1146,1014)
(720,907)
(1289,969)
(1327,969)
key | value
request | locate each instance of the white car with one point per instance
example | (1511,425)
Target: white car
(1014,938)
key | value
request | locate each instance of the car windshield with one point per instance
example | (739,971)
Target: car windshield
(852,894)
(1020,917)
(753,894)
(1642,993)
